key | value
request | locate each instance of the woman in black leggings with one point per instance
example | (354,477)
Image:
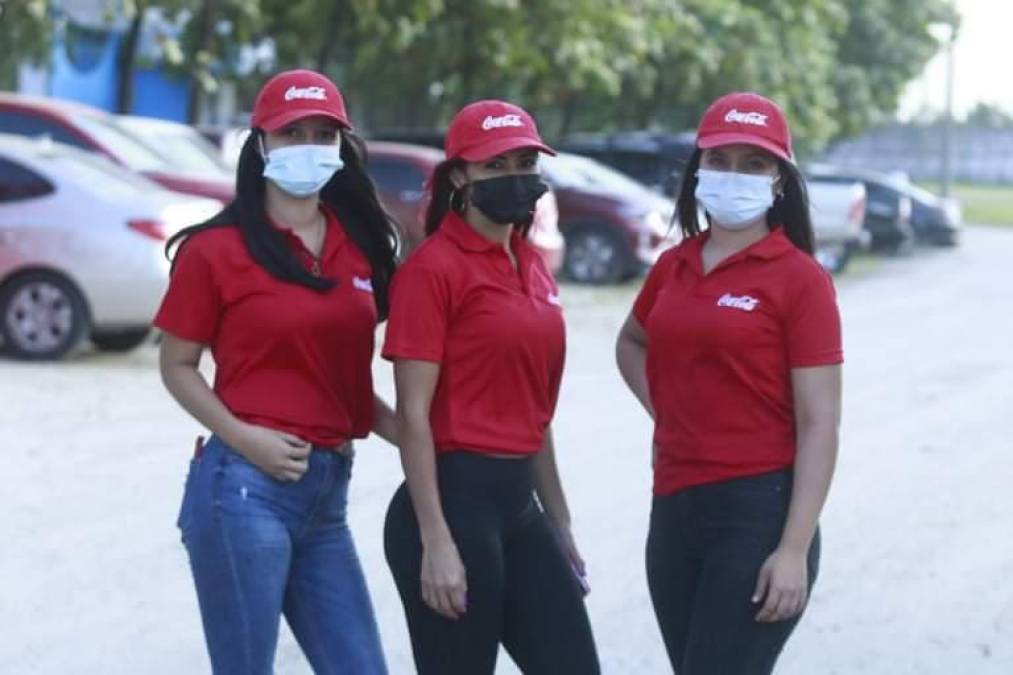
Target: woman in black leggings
(476,334)
(734,349)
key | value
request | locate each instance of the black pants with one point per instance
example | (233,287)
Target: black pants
(522,591)
(704,552)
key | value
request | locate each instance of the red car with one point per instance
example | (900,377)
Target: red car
(95,130)
(400,171)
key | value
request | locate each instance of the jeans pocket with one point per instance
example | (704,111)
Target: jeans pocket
(242,488)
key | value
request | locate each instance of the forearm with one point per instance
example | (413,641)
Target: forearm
(191,391)
(548,485)
(418,457)
(384,421)
(815,459)
(631,357)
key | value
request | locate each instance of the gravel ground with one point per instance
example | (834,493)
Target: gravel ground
(917,559)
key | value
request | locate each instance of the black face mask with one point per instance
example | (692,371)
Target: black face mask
(508,200)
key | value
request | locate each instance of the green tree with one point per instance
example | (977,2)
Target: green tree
(25,35)
(885,44)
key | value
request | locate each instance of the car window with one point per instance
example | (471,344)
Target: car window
(582,173)
(563,173)
(182,148)
(112,181)
(642,166)
(26,124)
(18,182)
(396,176)
(121,144)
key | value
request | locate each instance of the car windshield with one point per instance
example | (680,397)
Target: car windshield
(123,145)
(111,180)
(183,148)
(580,172)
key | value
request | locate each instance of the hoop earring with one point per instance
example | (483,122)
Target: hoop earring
(457,208)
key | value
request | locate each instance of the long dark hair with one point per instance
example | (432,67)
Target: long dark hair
(443,196)
(350,194)
(790,209)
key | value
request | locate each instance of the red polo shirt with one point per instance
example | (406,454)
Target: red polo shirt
(720,349)
(496,332)
(287,357)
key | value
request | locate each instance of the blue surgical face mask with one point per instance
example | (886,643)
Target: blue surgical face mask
(734,200)
(302,170)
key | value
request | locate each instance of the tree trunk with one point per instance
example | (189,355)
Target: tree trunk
(569,113)
(126,60)
(340,10)
(204,42)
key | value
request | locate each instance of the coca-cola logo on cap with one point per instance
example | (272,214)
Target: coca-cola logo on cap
(754,118)
(314,93)
(491,122)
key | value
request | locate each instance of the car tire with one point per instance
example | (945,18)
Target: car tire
(43,316)
(120,340)
(595,255)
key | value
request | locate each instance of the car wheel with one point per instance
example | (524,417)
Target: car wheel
(595,256)
(42,316)
(833,257)
(121,340)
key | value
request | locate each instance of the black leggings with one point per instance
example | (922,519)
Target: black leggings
(704,552)
(522,591)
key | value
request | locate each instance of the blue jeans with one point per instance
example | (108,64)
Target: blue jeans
(260,548)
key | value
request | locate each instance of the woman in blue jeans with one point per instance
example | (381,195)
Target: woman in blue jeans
(285,286)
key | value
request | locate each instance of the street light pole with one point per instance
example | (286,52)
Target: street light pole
(947,165)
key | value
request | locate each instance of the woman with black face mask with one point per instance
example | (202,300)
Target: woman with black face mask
(476,335)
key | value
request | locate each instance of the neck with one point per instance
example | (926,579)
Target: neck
(731,241)
(494,232)
(301,214)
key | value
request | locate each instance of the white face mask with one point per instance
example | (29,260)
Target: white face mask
(734,200)
(302,170)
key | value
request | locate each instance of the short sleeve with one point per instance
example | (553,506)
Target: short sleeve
(648,295)
(192,305)
(420,307)
(813,325)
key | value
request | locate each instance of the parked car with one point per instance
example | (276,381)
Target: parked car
(614,227)
(935,220)
(837,210)
(400,171)
(180,145)
(887,211)
(81,248)
(95,130)
(655,159)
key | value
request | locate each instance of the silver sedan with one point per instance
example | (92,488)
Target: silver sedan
(81,248)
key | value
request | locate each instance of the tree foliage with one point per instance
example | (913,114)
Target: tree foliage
(835,65)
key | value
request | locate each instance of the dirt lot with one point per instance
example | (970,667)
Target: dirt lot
(918,551)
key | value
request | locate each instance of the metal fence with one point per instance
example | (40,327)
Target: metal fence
(980,155)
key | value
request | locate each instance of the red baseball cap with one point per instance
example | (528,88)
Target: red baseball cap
(295,94)
(485,129)
(743,117)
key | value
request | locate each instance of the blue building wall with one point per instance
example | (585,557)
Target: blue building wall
(84,70)
(157,94)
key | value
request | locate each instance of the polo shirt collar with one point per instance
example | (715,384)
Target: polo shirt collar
(334,235)
(771,246)
(467,238)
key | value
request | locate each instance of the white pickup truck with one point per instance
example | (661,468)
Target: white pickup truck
(838,211)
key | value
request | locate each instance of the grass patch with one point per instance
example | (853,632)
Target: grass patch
(982,204)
